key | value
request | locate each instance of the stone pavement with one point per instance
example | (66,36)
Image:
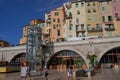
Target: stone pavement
(105,74)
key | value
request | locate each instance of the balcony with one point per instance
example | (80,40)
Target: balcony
(109,28)
(48,20)
(95,29)
(108,23)
(80,30)
(68,16)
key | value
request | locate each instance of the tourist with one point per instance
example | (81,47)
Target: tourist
(24,69)
(28,72)
(46,73)
(70,73)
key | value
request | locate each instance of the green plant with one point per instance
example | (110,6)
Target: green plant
(79,61)
(92,59)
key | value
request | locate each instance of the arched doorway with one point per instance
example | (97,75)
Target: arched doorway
(65,59)
(17,59)
(111,58)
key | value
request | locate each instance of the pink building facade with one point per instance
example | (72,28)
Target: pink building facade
(116,8)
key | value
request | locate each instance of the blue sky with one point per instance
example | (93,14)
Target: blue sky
(15,14)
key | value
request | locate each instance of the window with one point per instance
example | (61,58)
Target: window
(53,19)
(89,18)
(97,25)
(103,18)
(93,3)
(77,35)
(95,18)
(76,5)
(58,32)
(70,27)
(94,10)
(58,20)
(103,8)
(56,13)
(78,12)
(77,27)
(116,14)
(89,11)
(77,20)
(70,14)
(82,4)
(109,18)
(88,26)
(82,26)
(59,25)
(54,26)
(88,4)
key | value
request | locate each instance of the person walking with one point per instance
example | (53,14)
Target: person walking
(24,69)
(28,72)
(70,73)
(46,73)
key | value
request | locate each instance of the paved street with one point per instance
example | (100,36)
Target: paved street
(105,74)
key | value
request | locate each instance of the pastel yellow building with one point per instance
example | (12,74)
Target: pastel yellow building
(56,24)
(36,22)
(106,17)
(116,22)
(24,35)
(75,25)
(93,22)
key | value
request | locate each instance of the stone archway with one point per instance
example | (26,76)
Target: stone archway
(111,57)
(15,61)
(66,58)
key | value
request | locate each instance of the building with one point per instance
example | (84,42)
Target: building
(54,23)
(93,21)
(3,43)
(75,25)
(116,22)
(36,22)
(115,8)
(24,36)
(106,17)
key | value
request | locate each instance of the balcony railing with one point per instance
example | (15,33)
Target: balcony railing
(80,30)
(109,28)
(95,29)
(68,16)
(48,20)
